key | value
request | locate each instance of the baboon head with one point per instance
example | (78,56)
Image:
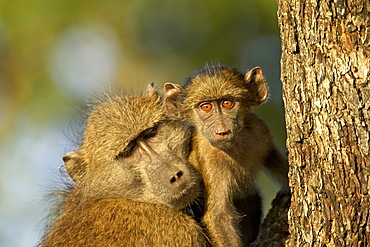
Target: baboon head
(130,149)
(215,100)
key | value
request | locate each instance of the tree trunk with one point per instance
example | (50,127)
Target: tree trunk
(274,230)
(325,73)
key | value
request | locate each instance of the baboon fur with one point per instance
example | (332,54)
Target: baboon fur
(123,193)
(229,146)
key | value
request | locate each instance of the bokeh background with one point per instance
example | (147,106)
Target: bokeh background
(55,56)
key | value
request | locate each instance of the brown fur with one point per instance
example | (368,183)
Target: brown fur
(229,146)
(131,180)
(122,222)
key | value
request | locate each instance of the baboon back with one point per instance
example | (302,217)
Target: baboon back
(124,222)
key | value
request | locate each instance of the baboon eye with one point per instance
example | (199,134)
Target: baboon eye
(206,106)
(227,103)
(150,132)
(127,151)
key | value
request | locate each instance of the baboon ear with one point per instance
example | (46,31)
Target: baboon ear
(258,83)
(172,97)
(150,89)
(74,165)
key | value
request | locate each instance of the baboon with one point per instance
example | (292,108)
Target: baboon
(131,180)
(229,146)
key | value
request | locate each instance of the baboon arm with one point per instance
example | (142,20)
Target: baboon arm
(220,217)
(277,165)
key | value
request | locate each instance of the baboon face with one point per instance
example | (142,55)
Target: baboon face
(215,101)
(219,121)
(131,150)
(161,165)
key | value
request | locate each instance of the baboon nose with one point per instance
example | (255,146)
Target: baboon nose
(177,176)
(223,133)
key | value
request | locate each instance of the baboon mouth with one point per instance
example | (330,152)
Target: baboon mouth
(224,138)
(224,143)
(185,197)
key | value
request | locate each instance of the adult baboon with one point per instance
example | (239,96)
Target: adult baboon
(131,180)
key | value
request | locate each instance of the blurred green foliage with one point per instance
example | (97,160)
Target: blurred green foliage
(161,41)
(56,54)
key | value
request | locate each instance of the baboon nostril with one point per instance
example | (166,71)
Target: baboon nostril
(177,176)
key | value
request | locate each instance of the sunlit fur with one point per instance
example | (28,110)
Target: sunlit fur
(128,201)
(229,168)
(112,125)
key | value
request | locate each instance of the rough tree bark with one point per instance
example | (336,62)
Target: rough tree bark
(325,73)
(326,89)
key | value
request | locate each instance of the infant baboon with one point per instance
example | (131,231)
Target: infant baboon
(229,146)
(131,179)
